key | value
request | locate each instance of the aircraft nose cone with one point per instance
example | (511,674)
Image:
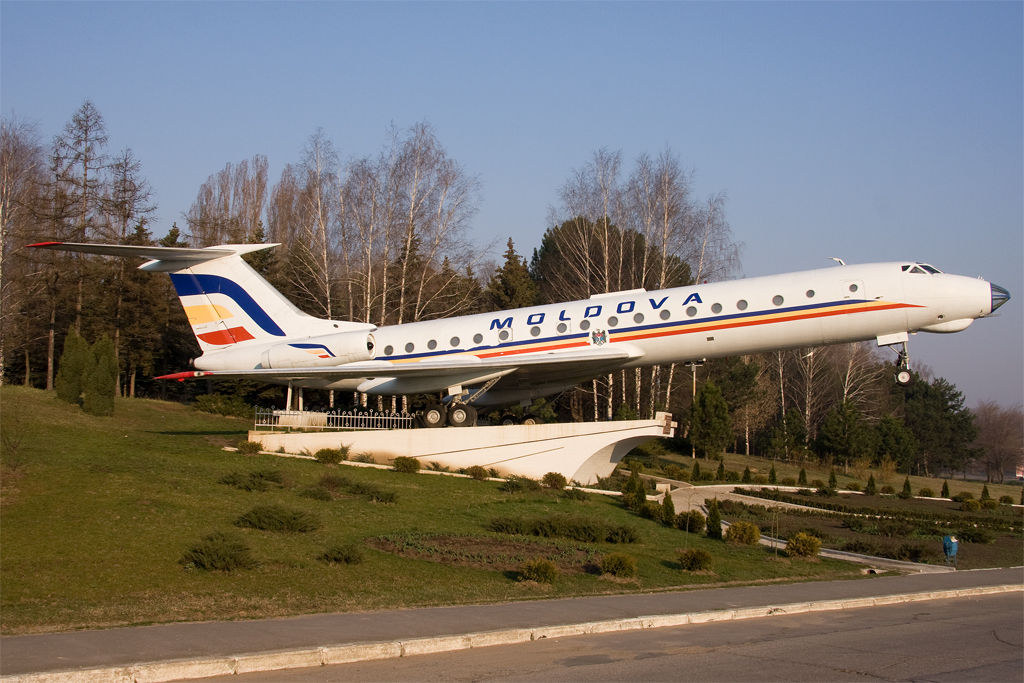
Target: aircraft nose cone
(999,297)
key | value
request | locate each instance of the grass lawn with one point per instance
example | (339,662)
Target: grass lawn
(97,512)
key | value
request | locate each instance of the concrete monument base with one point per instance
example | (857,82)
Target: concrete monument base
(581,451)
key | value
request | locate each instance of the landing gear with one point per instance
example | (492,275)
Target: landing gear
(903,375)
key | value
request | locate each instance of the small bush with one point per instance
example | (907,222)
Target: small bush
(342,554)
(787,481)
(249,447)
(888,490)
(975,535)
(926,492)
(1006,500)
(219,404)
(817,483)
(508,525)
(476,472)
(539,570)
(518,484)
(714,521)
(692,521)
(622,534)
(619,564)
(853,486)
(278,518)
(364,457)
(962,496)
(316,493)
(801,479)
(650,510)
(747,476)
(989,504)
(260,480)
(743,533)
(871,489)
(218,552)
(694,559)
(803,545)
(331,456)
(335,482)
(554,480)
(970,505)
(575,494)
(404,463)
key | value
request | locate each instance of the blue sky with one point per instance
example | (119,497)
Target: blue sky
(870,131)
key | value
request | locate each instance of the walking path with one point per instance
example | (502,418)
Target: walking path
(196,650)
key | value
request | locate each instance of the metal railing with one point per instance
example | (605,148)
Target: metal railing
(284,420)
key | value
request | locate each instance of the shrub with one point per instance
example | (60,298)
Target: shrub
(803,545)
(692,521)
(554,480)
(871,489)
(888,490)
(517,484)
(650,510)
(622,534)
(618,564)
(975,535)
(476,472)
(218,552)
(694,559)
(539,570)
(743,533)
(772,477)
(962,496)
(945,489)
(316,493)
(985,495)
(668,510)
(575,494)
(364,457)
(816,483)
(219,404)
(970,505)
(747,477)
(833,482)
(720,472)
(989,504)
(906,491)
(509,525)
(695,474)
(342,554)
(335,482)
(278,518)
(926,492)
(853,486)
(714,522)
(260,480)
(1006,500)
(404,463)
(787,481)
(801,479)
(331,456)
(249,447)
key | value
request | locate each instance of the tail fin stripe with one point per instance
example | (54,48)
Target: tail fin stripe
(190,284)
(232,335)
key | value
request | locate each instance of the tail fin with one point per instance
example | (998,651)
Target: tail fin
(226,301)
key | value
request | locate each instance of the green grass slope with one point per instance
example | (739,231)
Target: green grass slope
(96,514)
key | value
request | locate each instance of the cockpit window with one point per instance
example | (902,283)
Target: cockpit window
(930,269)
(920,269)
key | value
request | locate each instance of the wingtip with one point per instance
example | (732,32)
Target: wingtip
(44,244)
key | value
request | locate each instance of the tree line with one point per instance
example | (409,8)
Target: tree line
(384,238)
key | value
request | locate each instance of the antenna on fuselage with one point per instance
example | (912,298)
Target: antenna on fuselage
(838,260)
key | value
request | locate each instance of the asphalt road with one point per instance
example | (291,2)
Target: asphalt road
(964,639)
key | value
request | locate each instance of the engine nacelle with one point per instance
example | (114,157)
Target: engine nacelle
(328,349)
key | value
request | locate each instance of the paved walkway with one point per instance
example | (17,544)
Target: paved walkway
(194,650)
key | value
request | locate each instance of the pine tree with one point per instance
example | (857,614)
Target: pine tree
(801,479)
(709,421)
(511,286)
(747,477)
(720,472)
(714,529)
(73,363)
(945,489)
(772,478)
(985,495)
(100,379)
(907,492)
(833,483)
(695,472)
(871,489)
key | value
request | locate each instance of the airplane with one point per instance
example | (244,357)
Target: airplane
(246,329)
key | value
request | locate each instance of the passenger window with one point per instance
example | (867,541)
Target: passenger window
(716,308)
(534,331)
(638,318)
(388,350)
(409,347)
(691,311)
(478,338)
(613,321)
(432,344)
(584,324)
(777,299)
(454,341)
(810,293)
(562,327)
(503,335)
(665,314)
(741,304)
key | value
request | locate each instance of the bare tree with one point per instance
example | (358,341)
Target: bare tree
(1000,438)
(229,204)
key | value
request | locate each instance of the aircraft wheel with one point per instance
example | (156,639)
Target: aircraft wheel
(903,377)
(461,415)
(507,420)
(531,420)
(434,415)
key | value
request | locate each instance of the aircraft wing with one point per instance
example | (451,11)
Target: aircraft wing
(437,375)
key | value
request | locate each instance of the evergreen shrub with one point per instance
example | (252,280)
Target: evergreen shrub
(404,463)
(539,570)
(279,518)
(554,480)
(476,472)
(249,447)
(218,552)
(743,533)
(692,521)
(342,554)
(803,545)
(694,559)
(619,564)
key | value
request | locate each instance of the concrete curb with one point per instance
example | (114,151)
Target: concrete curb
(152,672)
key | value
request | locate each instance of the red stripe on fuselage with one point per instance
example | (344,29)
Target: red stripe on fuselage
(232,335)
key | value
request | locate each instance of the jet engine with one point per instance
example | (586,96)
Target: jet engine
(325,350)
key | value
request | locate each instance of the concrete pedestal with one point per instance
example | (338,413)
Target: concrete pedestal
(581,451)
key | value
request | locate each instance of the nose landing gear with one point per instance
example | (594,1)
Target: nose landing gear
(903,375)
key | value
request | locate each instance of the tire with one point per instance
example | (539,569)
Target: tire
(434,415)
(461,415)
(531,420)
(507,420)
(903,377)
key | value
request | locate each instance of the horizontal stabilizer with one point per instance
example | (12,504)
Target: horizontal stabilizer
(161,259)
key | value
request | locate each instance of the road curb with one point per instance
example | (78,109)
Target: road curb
(346,653)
